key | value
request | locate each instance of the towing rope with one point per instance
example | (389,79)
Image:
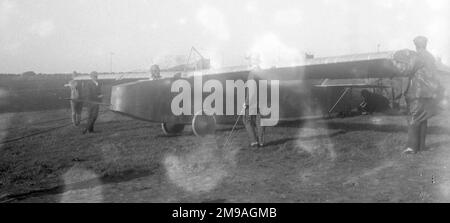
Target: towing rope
(34,124)
(44,131)
(232,130)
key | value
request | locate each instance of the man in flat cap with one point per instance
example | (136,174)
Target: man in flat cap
(94,97)
(422,95)
(155,72)
(252,115)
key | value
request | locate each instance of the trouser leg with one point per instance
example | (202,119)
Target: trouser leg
(260,129)
(423,134)
(78,111)
(93,114)
(94,118)
(74,118)
(89,119)
(249,126)
(78,119)
(414,137)
(74,114)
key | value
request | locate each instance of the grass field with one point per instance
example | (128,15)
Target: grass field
(341,160)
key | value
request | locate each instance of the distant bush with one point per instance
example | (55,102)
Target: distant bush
(28,74)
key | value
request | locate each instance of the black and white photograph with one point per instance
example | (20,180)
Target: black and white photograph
(224,102)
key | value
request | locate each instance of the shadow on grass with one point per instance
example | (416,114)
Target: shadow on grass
(317,137)
(185,133)
(124,176)
(351,127)
(437,145)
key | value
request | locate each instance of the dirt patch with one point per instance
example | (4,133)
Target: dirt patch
(342,160)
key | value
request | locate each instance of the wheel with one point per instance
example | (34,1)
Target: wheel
(203,125)
(172,129)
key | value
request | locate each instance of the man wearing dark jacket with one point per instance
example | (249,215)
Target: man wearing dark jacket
(94,97)
(155,72)
(422,95)
(373,102)
(252,122)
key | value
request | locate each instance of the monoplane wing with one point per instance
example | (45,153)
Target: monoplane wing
(359,66)
(351,86)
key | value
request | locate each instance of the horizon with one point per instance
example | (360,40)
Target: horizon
(167,70)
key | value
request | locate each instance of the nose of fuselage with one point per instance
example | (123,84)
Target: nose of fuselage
(146,100)
(123,98)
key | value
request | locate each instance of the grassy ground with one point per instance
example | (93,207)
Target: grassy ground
(342,160)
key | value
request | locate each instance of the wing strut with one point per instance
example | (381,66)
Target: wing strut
(339,100)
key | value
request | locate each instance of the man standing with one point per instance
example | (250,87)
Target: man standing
(373,103)
(155,72)
(75,95)
(252,122)
(94,97)
(421,96)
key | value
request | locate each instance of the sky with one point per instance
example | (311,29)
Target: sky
(61,36)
